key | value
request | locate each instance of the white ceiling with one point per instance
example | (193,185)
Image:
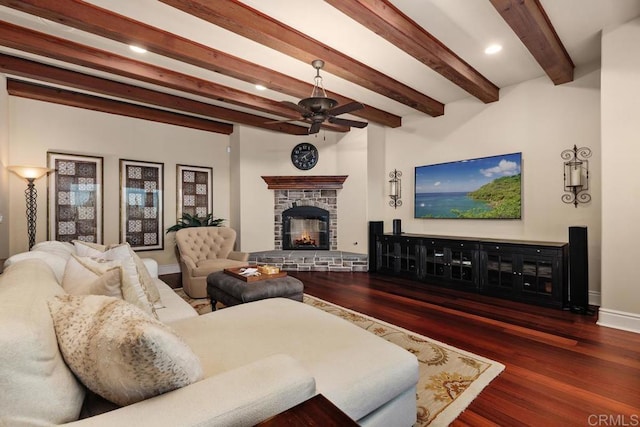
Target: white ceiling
(465,26)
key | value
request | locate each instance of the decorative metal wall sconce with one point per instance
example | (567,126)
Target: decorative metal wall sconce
(395,188)
(30,174)
(576,175)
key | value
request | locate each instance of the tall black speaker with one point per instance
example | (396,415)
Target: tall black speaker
(578,270)
(376,228)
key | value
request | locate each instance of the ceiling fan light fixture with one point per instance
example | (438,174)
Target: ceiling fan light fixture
(319,108)
(318,88)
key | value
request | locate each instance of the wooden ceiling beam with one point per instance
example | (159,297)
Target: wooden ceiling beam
(384,19)
(37,43)
(250,23)
(47,73)
(90,18)
(531,24)
(90,102)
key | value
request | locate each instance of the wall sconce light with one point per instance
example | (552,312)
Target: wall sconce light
(30,174)
(576,175)
(395,188)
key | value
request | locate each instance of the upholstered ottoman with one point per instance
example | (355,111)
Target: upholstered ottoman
(232,291)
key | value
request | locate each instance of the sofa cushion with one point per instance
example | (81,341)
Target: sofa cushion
(55,262)
(61,249)
(83,277)
(133,288)
(120,352)
(336,352)
(36,385)
(144,277)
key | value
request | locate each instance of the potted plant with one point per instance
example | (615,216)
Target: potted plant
(188,220)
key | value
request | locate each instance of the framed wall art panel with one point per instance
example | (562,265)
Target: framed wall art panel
(141,204)
(193,193)
(75,197)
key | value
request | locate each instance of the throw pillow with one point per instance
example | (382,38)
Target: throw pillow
(84,276)
(93,249)
(133,289)
(120,352)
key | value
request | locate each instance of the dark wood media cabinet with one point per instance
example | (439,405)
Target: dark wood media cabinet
(526,271)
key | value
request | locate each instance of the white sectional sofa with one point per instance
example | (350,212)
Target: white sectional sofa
(258,359)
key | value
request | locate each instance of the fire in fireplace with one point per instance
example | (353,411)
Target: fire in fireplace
(306,228)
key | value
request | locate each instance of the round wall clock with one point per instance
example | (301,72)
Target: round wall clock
(304,156)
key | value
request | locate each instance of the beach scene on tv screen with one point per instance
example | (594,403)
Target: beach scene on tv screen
(486,188)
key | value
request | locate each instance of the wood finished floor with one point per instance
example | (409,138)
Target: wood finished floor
(561,368)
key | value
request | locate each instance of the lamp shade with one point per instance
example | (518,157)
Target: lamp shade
(29,172)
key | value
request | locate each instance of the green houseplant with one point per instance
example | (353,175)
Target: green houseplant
(188,220)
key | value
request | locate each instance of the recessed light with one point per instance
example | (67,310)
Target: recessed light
(493,49)
(260,87)
(137,49)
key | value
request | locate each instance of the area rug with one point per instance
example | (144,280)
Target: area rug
(449,378)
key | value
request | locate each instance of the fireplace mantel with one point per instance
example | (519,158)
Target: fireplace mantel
(305,182)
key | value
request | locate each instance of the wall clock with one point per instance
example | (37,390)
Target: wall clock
(304,156)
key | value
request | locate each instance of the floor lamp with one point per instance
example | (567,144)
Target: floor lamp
(30,174)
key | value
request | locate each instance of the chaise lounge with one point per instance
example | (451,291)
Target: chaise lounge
(257,359)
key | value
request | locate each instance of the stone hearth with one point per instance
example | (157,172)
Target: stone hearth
(335,261)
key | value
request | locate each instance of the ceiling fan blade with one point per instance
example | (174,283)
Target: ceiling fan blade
(315,127)
(295,106)
(345,122)
(345,108)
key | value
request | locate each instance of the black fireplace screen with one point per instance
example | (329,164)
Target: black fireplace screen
(305,227)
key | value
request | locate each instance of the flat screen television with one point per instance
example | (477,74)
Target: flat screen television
(482,188)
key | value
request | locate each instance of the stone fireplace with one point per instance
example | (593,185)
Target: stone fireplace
(305,226)
(318,207)
(313,196)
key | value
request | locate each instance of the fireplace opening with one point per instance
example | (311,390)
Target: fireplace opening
(305,228)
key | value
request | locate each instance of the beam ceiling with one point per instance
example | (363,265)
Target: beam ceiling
(90,18)
(252,24)
(46,73)
(526,18)
(387,21)
(90,102)
(37,43)
(531,24)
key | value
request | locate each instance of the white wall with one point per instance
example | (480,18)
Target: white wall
(621,188)
(535,118)
(262,153)
(37,127)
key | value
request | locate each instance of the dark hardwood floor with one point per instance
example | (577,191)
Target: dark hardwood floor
(561,368)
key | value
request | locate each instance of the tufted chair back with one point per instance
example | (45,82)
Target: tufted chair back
(200,243)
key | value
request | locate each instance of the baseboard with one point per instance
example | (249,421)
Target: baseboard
(168,269)
(595,298)
(619,320)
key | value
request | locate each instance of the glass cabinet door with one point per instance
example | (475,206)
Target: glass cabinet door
(537,276)
(435,262)
(500,272)
(388,255)
(408,254)
(462,265)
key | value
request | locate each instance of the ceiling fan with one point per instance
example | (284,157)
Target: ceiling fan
(319,108)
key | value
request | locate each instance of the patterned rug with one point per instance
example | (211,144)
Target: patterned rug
(449,380)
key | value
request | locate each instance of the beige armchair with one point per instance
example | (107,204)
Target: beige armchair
(204,250)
